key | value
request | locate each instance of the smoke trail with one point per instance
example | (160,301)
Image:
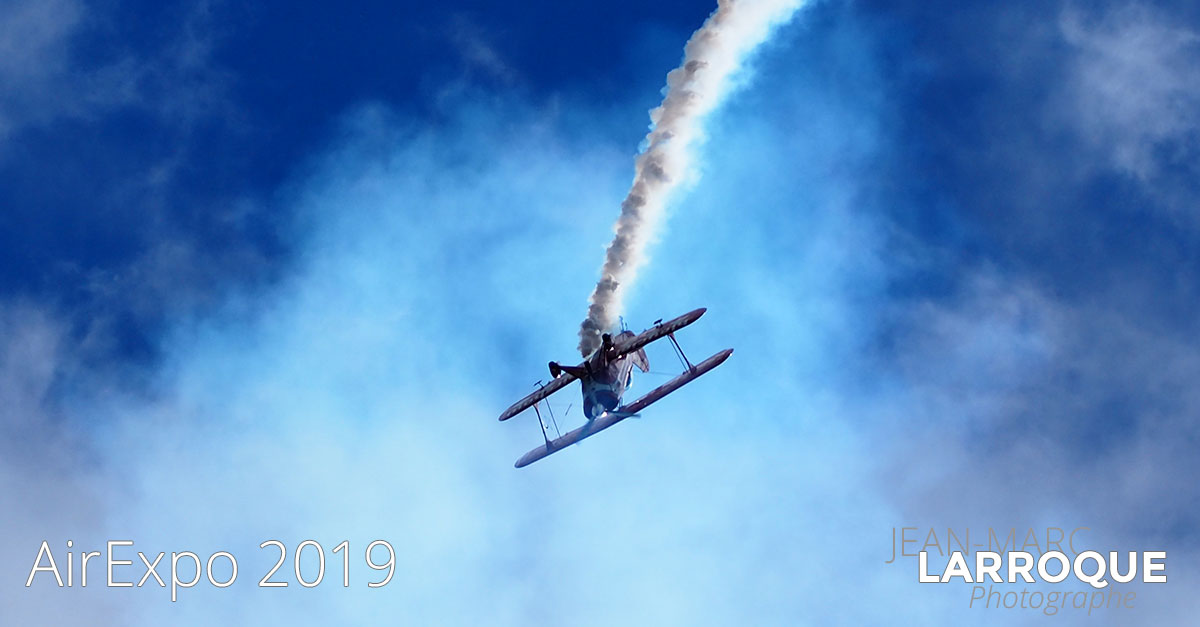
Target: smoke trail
(710,59)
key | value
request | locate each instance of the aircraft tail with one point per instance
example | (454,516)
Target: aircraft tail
(640,360)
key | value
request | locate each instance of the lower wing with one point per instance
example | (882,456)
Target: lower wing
(611,418)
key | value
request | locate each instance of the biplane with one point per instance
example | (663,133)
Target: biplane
(604,376)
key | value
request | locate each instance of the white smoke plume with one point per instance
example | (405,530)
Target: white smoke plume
(711,58)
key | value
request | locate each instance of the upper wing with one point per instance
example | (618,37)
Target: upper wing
(555,385)
(657,331)
(620,348)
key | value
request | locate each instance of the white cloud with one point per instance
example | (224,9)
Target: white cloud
(1011,408)
(51,484)
(358,398)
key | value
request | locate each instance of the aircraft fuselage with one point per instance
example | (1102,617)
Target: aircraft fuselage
(608,380)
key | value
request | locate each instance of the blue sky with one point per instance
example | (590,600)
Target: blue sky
(272,272)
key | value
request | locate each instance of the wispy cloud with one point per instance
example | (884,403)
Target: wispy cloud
(34,56)
(479,52)
(46,79)
(1134,85)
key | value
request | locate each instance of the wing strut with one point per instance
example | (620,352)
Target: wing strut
(679,352)
(542,423)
